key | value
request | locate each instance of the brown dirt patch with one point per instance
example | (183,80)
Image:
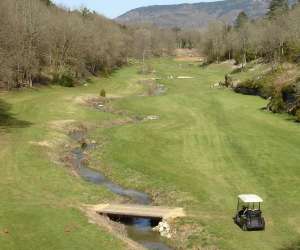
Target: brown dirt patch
(62,124)
(188,55)
(189,59)
(83,98)
(119,122)
(47,144)
(183,230)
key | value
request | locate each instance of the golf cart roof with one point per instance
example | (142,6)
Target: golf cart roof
(250,198)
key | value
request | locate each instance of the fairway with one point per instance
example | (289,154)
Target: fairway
(208,146)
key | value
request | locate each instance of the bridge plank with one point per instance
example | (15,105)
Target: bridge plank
(139,211)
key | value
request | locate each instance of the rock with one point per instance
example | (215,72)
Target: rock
(164,229)
(152,117)
(185,77)
(217,85)
(235,83)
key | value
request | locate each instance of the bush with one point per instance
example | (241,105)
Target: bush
(277,104)
(228,80)
(293,52)
(298,115)
(103,93)
(65,80)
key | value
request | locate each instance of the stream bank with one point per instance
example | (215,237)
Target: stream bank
(138,229)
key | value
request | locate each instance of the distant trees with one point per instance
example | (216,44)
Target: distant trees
(40,41)
(278,7)
(274,38)
(241,20)
(214,44)
(48,2)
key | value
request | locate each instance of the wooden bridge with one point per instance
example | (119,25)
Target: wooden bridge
(138,211)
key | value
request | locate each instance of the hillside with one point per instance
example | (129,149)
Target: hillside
(195,15)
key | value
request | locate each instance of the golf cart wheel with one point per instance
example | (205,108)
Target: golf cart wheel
(244,227)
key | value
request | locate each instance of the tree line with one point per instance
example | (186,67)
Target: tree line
(275,37)
(40,42)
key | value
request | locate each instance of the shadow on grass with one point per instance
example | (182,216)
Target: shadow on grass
(293,246)
(8,119)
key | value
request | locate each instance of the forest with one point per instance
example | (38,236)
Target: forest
(42,43)
(275,37)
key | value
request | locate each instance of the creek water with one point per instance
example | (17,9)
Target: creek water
(138,229)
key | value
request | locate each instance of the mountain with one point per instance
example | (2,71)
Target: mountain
(196,15)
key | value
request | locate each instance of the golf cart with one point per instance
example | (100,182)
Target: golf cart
(248,215)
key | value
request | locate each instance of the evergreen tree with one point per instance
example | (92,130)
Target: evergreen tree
(241,20)
(48,2)
(297,3)
(85,12)
(278,7)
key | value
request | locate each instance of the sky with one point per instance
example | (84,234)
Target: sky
(114,8)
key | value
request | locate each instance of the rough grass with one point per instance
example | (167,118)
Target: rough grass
(208,146)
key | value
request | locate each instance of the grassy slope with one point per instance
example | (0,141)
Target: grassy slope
(208,146)
(211,145)
(38,196)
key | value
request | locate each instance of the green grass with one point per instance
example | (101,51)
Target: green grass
(209,146)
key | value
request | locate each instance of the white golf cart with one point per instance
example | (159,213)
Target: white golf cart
(248,215)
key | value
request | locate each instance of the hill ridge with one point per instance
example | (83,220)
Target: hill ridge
(194,15)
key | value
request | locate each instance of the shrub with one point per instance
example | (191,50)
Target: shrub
(65,80)
(298,115)
(293,52)
(277,104)
(228,80)
(103,93)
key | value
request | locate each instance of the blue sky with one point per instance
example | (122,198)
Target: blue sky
(114,8)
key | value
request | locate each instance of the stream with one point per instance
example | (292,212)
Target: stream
(138,229)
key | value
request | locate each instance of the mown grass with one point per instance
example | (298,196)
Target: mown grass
(208,146)
(40,199)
